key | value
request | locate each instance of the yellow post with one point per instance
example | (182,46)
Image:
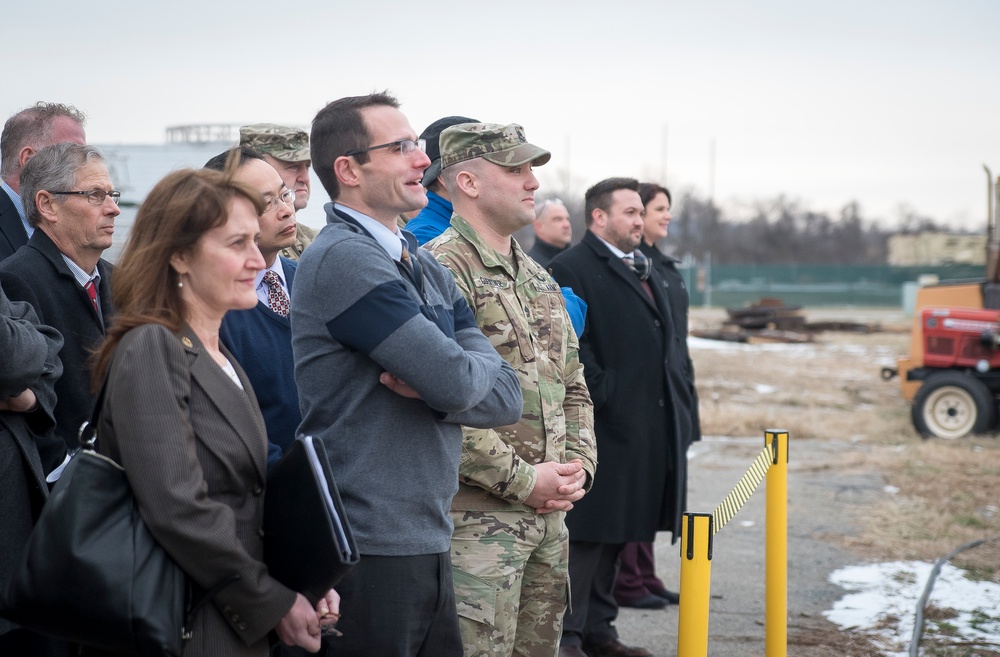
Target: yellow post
(776,547)
(696,585)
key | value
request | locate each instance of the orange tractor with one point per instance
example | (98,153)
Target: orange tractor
(952,375)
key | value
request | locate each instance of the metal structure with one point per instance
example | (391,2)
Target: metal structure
(204,133)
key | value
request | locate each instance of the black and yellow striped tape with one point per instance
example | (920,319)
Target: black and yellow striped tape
(737,497)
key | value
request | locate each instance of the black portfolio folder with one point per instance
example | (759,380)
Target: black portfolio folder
(308,545)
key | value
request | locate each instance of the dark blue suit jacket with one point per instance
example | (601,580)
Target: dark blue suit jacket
(261,341)
(12,235)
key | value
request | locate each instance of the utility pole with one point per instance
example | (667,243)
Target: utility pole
(711,171)
(663,155)
(707,269)
(569,173)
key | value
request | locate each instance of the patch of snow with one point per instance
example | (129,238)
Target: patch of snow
(725,345)
(882,597)
(881,356)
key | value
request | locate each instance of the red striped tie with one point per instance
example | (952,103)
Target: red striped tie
(92,293)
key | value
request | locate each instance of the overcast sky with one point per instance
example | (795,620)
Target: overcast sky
(885,102)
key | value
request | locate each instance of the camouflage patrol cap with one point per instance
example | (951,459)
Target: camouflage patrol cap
(500,144)
(279,141)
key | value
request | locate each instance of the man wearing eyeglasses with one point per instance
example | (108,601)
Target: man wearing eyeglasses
(24,134)
(510,545)
(553,231)
(71,204)
(261,337)
(287,150)
(389,363)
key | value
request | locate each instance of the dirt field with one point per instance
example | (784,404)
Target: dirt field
(941,493)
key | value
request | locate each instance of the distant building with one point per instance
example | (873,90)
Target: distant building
(136,168)
(934,248)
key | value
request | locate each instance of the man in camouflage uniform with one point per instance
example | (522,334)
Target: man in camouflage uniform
(510,547)
(287,150)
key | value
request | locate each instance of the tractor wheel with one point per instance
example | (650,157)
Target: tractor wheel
(951,405)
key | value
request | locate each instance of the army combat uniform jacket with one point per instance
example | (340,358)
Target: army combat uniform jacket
(520,308)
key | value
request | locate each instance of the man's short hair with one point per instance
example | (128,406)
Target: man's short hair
(53,168)
(449,176)
(338,129)
(648,191)
(218,162)
(31,126)
(599,196)
(540,208)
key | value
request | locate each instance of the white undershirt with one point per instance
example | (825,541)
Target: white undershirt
(228,368)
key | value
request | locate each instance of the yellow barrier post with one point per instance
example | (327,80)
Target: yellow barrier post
(696,585)
(776,547)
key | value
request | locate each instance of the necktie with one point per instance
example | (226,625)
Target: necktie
(409,262)
(276,297)
(92,293)
(405,258)
(639,263)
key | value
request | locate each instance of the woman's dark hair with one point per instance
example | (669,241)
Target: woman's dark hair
(648,191)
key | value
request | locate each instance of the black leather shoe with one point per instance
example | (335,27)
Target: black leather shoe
(648,601)
(617,649)
(669,596)
(571,651)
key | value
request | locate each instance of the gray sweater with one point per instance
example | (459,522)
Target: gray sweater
(355,315)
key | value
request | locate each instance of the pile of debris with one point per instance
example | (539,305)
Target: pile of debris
(770,320)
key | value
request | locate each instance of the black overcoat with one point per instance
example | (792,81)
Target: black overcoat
(681,370)
(626,348)
(12,235)
(29,356)
(38,274)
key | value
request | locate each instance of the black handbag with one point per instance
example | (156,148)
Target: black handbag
(92,573)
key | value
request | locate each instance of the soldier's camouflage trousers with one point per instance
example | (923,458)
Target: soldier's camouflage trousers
(511,581)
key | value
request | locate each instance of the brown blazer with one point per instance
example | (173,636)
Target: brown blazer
(194,448)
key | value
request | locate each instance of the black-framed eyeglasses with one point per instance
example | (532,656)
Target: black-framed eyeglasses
(404,146)
(287,197)
(95,196)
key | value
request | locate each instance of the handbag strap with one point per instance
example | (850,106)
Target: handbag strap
(87,434)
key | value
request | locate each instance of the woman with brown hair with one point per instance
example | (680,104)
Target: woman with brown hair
(181,418)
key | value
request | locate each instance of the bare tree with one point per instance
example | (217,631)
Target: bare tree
(775,231)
